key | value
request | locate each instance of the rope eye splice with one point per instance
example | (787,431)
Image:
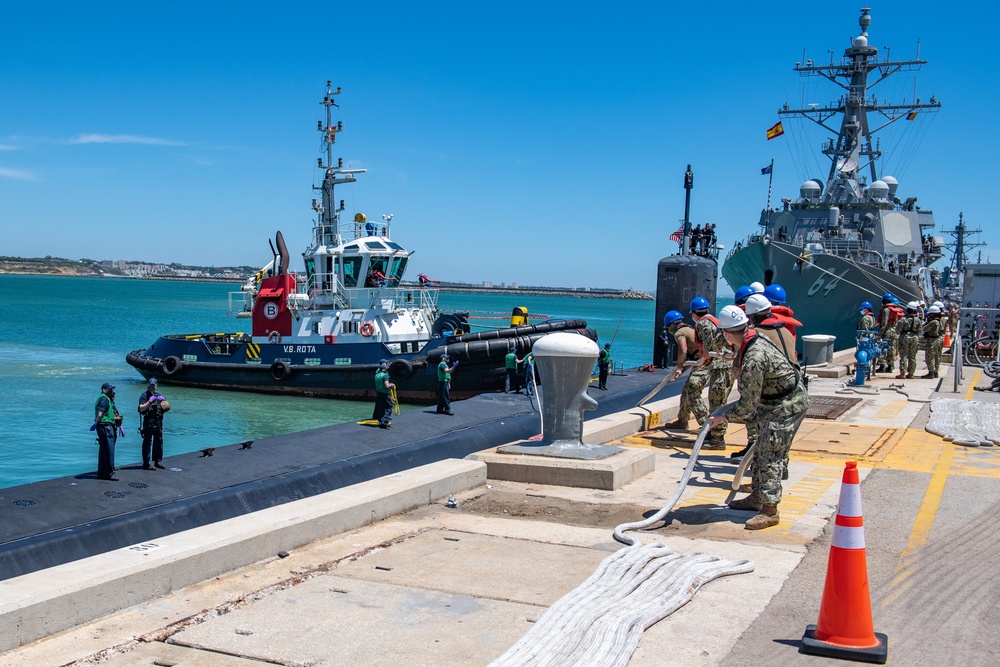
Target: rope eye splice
(601,622)
(395,399)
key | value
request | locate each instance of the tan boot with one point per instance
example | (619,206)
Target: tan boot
(714,443)
(677,424)
(767,517)
(751,502)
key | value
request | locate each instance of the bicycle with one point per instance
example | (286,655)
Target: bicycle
(984,348)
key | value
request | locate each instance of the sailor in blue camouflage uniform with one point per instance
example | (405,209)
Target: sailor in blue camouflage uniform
(909,329)
(772,392)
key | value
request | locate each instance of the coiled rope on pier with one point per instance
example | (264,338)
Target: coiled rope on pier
(969,423)
(600,622)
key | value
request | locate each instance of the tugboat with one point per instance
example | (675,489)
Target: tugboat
(853,238)
(323,332)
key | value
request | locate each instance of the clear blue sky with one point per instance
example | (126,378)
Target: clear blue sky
(537,142)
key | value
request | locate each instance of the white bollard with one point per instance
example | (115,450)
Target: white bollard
(565,363)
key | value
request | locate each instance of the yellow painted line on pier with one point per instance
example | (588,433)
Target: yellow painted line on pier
(922,525)
(891,410)
(972,385)
(800,497)
(916,451)
(932,500)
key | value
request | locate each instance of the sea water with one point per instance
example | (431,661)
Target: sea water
(62,337)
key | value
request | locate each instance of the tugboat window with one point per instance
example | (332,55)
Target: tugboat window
(374,245)
(352,267)
(376,272)
(396,273)
(393,245)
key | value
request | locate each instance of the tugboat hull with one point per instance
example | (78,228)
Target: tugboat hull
(338,370)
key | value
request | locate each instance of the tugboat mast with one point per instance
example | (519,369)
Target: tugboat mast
(328,222)
(853,142)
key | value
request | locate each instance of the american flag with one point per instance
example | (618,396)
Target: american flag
(678,235)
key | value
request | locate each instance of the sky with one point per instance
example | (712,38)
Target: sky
(542,143)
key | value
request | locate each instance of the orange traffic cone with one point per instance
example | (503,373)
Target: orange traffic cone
(947,335)
(844,629)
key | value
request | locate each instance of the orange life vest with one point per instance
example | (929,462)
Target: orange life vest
(785,314)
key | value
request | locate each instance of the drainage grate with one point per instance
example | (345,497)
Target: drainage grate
(138,485)
(114,494)
(24,503)
(829,407)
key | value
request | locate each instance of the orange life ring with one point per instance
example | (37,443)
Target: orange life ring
(367,329)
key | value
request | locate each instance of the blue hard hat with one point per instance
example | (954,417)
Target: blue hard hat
(888,297)
(775,293)
(671,317)
(866,304)
(699,303)
(742,294)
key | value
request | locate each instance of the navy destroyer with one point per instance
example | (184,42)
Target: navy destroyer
(852,238)
(324,331)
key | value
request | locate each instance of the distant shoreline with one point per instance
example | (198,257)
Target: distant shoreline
(70,269)
(583,292)
(65,274)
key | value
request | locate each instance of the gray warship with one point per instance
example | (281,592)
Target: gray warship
(853,238)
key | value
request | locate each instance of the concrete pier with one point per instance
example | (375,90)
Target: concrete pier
(433,584)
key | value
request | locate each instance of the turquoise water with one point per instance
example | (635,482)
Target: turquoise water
(62,337)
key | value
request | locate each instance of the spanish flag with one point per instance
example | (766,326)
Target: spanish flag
(775,131)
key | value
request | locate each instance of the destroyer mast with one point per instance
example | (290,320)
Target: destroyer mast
(852,151)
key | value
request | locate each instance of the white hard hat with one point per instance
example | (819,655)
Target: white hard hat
(933,309)
(758,288)
(938,304)
(913,305)
(731,317)
(757,303)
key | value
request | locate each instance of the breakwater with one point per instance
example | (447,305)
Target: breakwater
(583,292)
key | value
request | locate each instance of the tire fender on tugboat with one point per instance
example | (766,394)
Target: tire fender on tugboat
(401,368)
(171,365)
(280,371)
